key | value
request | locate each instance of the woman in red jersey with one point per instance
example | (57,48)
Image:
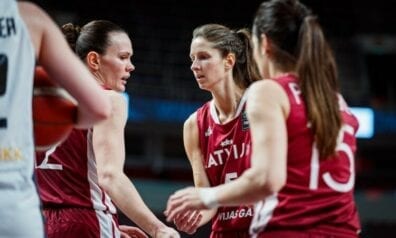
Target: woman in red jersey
(82,180)
(216,136)
(303,136)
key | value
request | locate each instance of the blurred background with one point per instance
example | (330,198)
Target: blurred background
(163,93)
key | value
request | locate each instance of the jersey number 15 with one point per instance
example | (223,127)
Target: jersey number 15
(327,178)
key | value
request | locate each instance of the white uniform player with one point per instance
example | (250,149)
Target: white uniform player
(19,204)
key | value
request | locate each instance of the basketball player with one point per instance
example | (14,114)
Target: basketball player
(303,136)
(216,136)
(80,179)
(28,34)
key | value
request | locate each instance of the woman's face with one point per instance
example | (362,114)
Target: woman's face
(207,63)
(115,64)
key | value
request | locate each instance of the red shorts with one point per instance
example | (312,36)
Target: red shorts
(229,234)
(300,234)
(80,222)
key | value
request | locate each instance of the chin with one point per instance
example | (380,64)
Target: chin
(120,89)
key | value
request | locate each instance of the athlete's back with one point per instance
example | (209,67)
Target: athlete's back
(19,203)
(318,194)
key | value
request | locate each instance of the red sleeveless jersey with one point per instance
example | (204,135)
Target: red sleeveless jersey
(67,175)
(226,155)
(318,194)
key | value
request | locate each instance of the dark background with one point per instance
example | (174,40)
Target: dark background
(163,91)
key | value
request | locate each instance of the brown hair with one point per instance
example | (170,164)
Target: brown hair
(93,36)
(229,41)
(299,44)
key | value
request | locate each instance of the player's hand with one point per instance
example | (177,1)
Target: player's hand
(166,232)
(182,201)
(131,232)
(188,222)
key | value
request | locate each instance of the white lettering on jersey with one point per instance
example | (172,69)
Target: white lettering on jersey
(237,213)
(7,27)
(226,142)
(326,176)
(234,151)
(208,132)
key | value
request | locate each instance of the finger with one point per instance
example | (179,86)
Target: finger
(193,222)
(180,220)
(174,208)
(124,235)
(175,211)
(173,201)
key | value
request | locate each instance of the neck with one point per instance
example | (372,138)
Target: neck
(227,102)
(275,72)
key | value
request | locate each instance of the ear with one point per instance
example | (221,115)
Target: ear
(229,61)
(93,60)
(265,45)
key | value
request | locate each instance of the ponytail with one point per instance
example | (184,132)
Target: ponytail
(246,70)
(317,72)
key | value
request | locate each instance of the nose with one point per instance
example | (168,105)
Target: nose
(130,67)
(194,65)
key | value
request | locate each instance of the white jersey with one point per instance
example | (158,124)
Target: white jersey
(19,204)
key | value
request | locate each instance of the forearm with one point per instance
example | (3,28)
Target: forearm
(133,207)
(207,215)
(247,189)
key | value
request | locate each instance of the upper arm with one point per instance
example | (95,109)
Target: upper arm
(52,50)
(267,111)
(32,15)
(62,65)
(108,137)
(193,151)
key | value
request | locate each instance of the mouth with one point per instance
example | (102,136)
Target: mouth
(125,79)
(199,77)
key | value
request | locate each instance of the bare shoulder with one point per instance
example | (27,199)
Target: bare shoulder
(116,96)
(30,11)
(118,102)
(37,22)
(267,89)
(29,6)
(191,122)
(269,93)
(265,85)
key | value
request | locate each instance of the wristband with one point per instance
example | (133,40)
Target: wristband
(208,197)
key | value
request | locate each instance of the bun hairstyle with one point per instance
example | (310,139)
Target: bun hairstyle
(71,33)
(93,36)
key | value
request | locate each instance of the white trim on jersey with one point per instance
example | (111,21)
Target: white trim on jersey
(107,226)
(262,214)
(101,202)
(242,102)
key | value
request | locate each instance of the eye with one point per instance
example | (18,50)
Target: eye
(203,57)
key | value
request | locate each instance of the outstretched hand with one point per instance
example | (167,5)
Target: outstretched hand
(182,201)
(131,232)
